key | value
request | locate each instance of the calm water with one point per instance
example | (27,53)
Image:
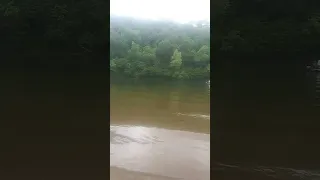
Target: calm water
(53,126)
(263,127)
(266,126)
(159,130)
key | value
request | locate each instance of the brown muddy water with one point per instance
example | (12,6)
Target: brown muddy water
(159,130)
(265,126)
(53,126)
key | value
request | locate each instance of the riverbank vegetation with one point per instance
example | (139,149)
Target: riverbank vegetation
(250,28)
(145,48)
(266,28)
(41,27)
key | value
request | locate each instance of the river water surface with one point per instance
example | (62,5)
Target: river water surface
(159,130)
(263,126)
(54,127)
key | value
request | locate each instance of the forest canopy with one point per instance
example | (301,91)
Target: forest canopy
(52,25)
(146,48)
(260,27)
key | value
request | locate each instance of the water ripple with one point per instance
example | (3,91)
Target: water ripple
(273,172)
(194,115)
(160,152)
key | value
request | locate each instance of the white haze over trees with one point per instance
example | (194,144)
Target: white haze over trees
(182,11)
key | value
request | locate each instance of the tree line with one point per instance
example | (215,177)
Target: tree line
(63,26)
(161,48)
(260,27)
(145,48)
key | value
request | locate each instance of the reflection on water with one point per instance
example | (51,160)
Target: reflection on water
(164,104)
(160,131)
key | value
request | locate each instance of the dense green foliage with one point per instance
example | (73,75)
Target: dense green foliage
(54,25)
(159,48)
(258,27)
(141,48)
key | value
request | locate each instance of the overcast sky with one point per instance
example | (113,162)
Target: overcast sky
(177,10)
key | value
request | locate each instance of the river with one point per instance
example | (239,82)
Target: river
(262,127)
(55,126)
(265,125)
(159,130)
